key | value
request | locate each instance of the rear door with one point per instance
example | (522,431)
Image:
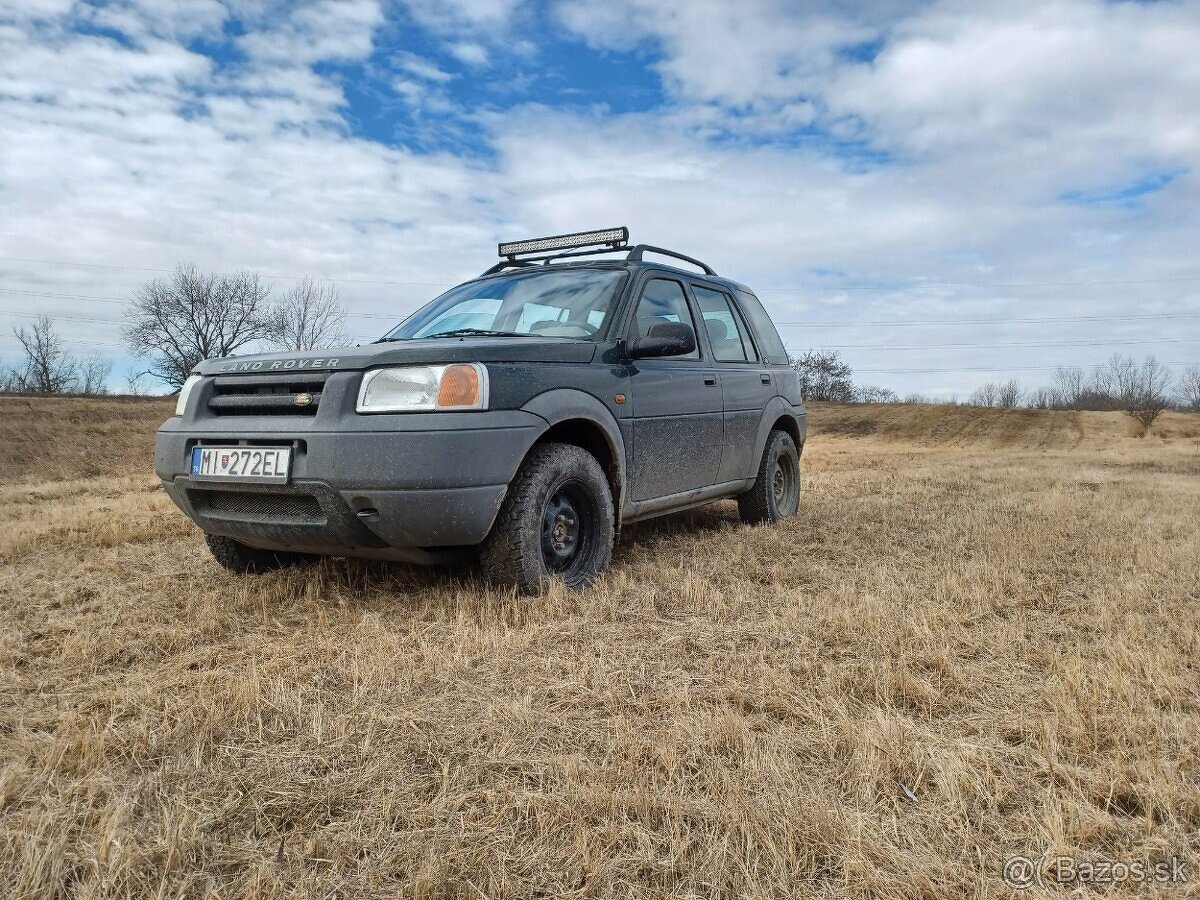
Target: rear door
(677,409)
(747,383)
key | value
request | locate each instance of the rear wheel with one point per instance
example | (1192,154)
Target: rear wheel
(238,557)
(776,491)
(555,522)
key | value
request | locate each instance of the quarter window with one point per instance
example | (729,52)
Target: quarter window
(725,331)
(663,300)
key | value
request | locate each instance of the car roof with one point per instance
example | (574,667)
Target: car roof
(620,264)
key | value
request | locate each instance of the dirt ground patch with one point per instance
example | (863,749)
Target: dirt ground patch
(977,640)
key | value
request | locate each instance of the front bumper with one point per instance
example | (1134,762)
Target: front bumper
(410,484)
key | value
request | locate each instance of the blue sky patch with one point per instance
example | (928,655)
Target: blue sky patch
(1127,193)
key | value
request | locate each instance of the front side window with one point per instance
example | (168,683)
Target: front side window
(568,303)
(663,300)
(725,332)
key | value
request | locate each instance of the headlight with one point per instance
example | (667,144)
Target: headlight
(186,391)
(460,386)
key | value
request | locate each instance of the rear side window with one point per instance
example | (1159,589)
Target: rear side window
(725,331)
(663,300)
(769,341)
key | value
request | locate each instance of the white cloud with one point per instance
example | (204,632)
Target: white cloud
(146,154)
(422,68)
(457,16)
(471,53)
(321,30)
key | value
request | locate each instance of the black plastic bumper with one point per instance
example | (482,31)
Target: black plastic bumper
(356,492)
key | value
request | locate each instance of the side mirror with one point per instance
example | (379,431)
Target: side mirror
(665,339)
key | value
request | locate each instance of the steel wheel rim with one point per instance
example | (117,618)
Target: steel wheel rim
(566,529)
(783,483)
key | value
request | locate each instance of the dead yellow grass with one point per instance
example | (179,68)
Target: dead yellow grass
(977,640)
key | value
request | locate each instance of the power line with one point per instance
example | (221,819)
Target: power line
(998,369)
(810,288)
(85,265)
(1033,320)
(1069,343)
(982,284)
(871,347)
(875,323)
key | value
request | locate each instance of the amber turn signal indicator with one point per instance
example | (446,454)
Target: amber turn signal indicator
(460,387)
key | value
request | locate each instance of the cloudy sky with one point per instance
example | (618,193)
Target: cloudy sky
(948,192)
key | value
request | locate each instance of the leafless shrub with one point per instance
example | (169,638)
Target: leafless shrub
(824,376)
(191,316)
(1143,390)
(309,317)
(873,393)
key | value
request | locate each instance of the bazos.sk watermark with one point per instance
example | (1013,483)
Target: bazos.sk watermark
(1024,872)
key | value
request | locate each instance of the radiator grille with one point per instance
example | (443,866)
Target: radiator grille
(292,508)
(267,395)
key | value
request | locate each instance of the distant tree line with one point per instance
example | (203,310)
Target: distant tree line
(1143,389)
(175,322)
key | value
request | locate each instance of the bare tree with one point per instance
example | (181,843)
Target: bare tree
(48,369)
(309,317)
(94,370)
(1009,394)
(133,382)
(1006,394)
(9,382)
(1143,390)
(191,316)
(871,393)
(824,376)
(1188,391)
(987,394)
(1041,398)
(1068,387)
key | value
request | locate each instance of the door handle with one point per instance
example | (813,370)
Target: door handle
(710,379)
(765,377)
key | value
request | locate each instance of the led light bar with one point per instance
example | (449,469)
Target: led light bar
(614,236)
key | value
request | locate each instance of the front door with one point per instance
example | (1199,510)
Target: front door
(677,417)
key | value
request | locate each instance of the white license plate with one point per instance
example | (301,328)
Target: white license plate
(260,464)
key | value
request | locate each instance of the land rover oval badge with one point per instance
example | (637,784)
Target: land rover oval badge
(302,399)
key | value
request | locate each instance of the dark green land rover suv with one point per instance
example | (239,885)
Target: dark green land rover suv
(521,418)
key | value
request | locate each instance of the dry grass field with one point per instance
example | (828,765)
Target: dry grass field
(978,639)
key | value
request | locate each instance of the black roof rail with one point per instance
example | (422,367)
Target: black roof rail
(635,255)
(570,245)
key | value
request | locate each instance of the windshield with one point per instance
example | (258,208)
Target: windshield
(568,303)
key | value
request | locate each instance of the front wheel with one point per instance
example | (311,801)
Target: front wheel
(776,491)
(243,559)
(555,522)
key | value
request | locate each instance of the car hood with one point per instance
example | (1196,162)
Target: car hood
(399,353)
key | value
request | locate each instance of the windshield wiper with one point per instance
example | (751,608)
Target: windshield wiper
(463,332)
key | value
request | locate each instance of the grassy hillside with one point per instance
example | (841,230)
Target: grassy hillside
(59,438)
(978,639)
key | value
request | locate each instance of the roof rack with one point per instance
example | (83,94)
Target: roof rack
(608,240)
(635,255)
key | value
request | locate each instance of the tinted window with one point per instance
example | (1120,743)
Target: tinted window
(565,303)
(663,300)
(725,331)
(769,341)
